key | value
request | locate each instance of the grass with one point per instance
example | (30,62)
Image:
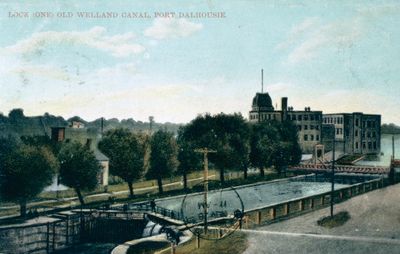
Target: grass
(147,247)
(233,244)
(172,190)
(337,220)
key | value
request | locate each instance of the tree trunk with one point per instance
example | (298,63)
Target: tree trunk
(221,176)
(130,186)
(185,180)
(245,172)
(80,197)
(159,182)
(22,205)
(262,173)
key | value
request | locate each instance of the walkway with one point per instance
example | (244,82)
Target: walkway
(374,227)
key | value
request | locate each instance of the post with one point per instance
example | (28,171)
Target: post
(48,238)
(205,191)
(393,147)
(197,241)
(54,236)
(205,152)
(333,176)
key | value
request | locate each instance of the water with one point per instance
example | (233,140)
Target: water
(225,202)
(386,152)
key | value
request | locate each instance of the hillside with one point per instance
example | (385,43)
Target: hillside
(17,124)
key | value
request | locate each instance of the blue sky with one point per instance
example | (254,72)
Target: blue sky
(335,56)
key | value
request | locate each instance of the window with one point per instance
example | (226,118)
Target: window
(374,145)
(317,127)
(299,127)
(356,133)
(357,122)
(312,117)
(317,137)
(369,145)
(373,124)
(337,131)
(334,120)
(368,124)
(293,117)
(368,134)
(305,117)
(373,134)
(364,145)
(356,145)
(311,127)
(300,117)
(363,124)
(312,137)
(305,137)
(306,127)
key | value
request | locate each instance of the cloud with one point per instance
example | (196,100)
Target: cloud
(297,31)
(121,45)
(164,28)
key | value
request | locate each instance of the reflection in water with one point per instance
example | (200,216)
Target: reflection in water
(386,152)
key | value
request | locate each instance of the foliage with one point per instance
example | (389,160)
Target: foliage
(25,172)
(337,220)
(390,129)
(163,158)
(227,134)
(274,144)
(126,151)
(42,141)
(188,159)
(78,168)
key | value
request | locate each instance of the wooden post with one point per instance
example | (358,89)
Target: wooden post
(197,241)
(311,203)
(285,209)
(67,230)
(173,248)
(54,236)
(301,205)
(258,217)
(272,213)
(48,238)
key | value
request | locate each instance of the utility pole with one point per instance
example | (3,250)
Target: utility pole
(393,147)
(333,175)
(205,152)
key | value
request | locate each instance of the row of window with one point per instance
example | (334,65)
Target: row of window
(334,120)
(369,134)
(264,117)
(311,117)
(370,145)
(306,127)
(339,120)
(311,136)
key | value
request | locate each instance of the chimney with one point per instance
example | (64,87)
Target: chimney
(284,108)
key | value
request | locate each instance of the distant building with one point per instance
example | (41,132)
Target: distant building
(309,123)
(85,137)
(355,133)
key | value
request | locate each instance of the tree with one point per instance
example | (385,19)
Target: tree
(16,114)
(188,159)
(163,156)
(287,151)
(127,152)
(227,134)
(264,137)
(78,168)
(25,172)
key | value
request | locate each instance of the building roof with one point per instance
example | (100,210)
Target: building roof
(262,100)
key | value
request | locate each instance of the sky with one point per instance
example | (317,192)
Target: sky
(334,56)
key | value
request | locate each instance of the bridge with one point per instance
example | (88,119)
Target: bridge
(322,168)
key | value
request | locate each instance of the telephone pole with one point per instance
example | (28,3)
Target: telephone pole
(205,152)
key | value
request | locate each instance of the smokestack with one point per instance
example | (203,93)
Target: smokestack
(284,104)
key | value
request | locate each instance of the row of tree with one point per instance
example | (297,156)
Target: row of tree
(238,145)
(29,165)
